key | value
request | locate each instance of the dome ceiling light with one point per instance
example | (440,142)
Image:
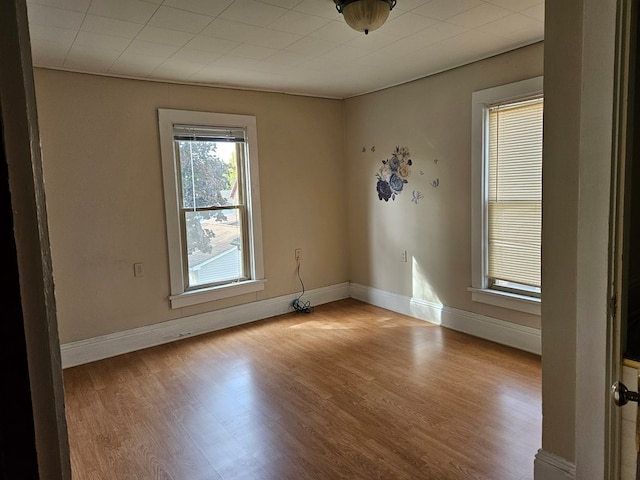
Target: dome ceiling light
(365,15)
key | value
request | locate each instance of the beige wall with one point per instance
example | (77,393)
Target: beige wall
(104,190)
(432,117)
(103,183)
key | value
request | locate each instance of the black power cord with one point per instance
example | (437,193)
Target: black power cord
(298,305)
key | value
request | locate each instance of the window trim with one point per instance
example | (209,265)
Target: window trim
(180,297)
(481,100)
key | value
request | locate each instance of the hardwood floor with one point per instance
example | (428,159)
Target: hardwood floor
(349,391)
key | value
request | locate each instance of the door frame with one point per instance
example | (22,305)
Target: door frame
(34,300)
(623,140)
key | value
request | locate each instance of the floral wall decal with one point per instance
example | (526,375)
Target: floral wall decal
(393,174)
(417,196)
(435,183)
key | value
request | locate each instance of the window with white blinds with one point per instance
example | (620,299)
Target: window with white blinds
(514,196)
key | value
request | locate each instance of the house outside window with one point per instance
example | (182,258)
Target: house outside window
(210,173)
(507,195)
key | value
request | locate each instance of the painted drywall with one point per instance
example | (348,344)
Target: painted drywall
(578,341)
(103,182)
(104,190)
(594,350)
(560,179)
(430,218)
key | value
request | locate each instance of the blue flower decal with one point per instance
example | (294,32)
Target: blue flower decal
(396,183)
(393,174)
(384,190)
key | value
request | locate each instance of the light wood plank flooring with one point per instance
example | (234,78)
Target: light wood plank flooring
(349,391)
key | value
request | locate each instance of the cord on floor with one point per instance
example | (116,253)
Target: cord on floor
(298,305)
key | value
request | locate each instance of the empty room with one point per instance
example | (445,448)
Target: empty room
(294,239)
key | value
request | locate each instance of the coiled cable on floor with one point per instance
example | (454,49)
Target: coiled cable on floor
(298,305)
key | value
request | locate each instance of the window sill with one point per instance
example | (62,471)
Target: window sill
(511,301)
(215,293)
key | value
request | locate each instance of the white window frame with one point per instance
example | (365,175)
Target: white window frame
(179,296)
(481,100)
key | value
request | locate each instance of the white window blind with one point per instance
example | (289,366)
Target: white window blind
(515,193)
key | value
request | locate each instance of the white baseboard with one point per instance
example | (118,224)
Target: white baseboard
(548,466)
(499,331)
(104,346)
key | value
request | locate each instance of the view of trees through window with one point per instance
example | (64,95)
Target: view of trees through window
(211,206)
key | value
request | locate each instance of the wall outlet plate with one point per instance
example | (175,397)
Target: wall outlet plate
(138,269)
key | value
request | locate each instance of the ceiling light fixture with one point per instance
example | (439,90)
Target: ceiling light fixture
(365,15)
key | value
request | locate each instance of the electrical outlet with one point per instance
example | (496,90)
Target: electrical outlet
(138,269)
(298,253)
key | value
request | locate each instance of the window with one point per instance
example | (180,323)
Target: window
(507,195)
(210,172)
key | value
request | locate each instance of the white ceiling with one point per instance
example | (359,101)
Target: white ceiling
(294,46)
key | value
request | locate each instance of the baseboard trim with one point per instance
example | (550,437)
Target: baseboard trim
(548,466)
(105,346)
(499,331)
